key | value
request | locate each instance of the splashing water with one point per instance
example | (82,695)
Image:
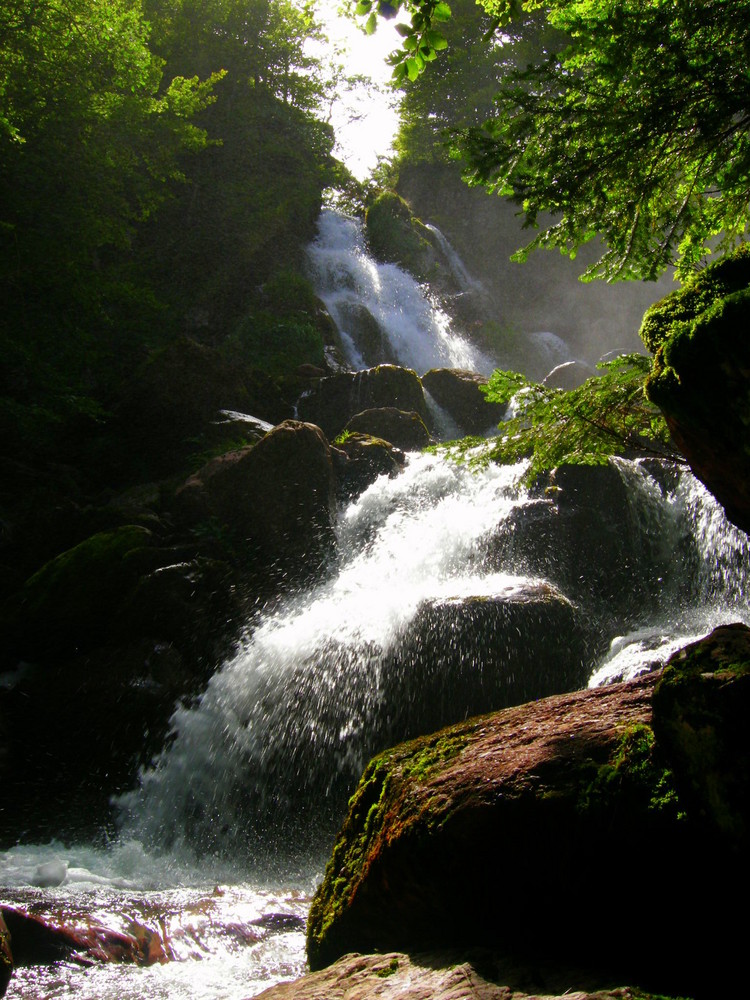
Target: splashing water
(263,764)
(381,311)
(294,716)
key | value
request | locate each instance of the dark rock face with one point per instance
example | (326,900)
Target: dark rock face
(587,532)
(458,392)
(178,393)
(487,831)
(479,975)
(700,377)
(278,496)
(467,655)
(405,430)
(335,400)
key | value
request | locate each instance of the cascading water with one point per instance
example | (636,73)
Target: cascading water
(380,310)
(427,616)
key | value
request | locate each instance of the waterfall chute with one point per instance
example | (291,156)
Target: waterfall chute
(382,313)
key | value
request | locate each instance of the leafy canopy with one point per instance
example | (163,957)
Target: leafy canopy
(631,125)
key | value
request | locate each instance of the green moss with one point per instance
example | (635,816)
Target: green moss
(363,835)
(698,338)
(633,775)
(390,970)
(398,237)
(666,317)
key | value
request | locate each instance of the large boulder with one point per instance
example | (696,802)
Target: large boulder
(459,393)
(69,604)
(276,499)
(591,829)
(335,400)
(701,377)
(463,655)
(397,237)
(403,429)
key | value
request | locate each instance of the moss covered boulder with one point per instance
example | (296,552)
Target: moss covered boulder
(360,459)
(71,602)
(569,830)
(397,237)
(701,376)
(402,428)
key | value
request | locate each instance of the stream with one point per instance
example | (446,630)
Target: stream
(227,832)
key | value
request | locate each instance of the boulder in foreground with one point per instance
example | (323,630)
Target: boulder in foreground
(605,830)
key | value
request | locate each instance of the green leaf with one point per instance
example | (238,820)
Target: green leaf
(371,24)
(442,12)
(363,7)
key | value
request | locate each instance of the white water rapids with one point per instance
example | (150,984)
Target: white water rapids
(223,839)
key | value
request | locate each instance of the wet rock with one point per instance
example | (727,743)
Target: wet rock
(403,429)
(335,400)
(458,392)
(37,941)
(594,532)
(461,656)
(488,831)
(569,375)
(360,459)
(478,975)
(276,499)
(700,377)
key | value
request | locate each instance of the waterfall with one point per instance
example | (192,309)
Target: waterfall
(458,269)
(382,313)
(263,764)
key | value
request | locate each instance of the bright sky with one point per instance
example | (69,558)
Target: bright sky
(365,119)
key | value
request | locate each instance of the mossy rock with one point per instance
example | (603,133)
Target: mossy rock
(69,604)
(635,795)
(396,237)
(700,377)
(700,713)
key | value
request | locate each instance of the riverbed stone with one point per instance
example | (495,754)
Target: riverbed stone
(564,831)
(401,428)
(334,401)
(479,975)
(459,393)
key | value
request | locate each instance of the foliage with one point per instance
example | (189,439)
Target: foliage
(159,161)
(634,126)
(607,415)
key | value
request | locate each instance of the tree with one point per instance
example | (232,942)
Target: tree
(632,126)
